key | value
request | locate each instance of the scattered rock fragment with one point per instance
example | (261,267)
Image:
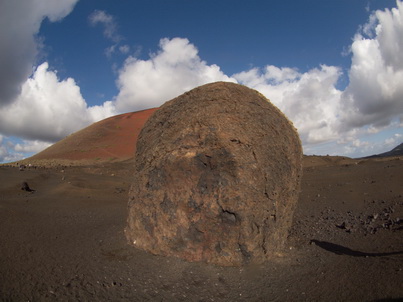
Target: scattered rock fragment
(25,187)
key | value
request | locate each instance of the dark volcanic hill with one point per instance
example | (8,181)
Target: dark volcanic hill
(112,139)
(397,151)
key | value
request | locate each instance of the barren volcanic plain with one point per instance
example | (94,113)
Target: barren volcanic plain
(63,240)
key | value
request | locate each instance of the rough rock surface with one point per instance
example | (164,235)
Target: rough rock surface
(217,177)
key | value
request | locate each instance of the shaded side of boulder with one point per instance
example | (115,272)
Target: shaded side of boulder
(217,177)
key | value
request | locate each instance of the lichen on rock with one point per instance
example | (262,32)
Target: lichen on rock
(217,177)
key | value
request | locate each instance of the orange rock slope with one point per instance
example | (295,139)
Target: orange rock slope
(113,138)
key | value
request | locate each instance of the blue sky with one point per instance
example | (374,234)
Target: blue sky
(235,35)
(334,67)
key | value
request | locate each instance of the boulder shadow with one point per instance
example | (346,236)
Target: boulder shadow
(389,300)
(342,250)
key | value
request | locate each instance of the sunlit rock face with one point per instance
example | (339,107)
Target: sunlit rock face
(217,177)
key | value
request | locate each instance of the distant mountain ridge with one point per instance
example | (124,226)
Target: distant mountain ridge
(397,151)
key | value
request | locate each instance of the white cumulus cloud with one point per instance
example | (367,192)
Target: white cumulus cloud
(371,103)
(14,150)
(29,146)
(34,103)
(49,109)
(174,69)
(7,152)
(19,23)
(374,95)
(309,99)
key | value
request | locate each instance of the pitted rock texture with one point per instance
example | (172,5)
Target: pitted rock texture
(217,177)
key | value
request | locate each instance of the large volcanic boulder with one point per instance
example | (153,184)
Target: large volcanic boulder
(217,176)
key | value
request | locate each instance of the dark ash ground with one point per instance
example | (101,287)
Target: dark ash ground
(65,241)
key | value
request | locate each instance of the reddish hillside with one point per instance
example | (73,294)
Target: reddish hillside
(113,138)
